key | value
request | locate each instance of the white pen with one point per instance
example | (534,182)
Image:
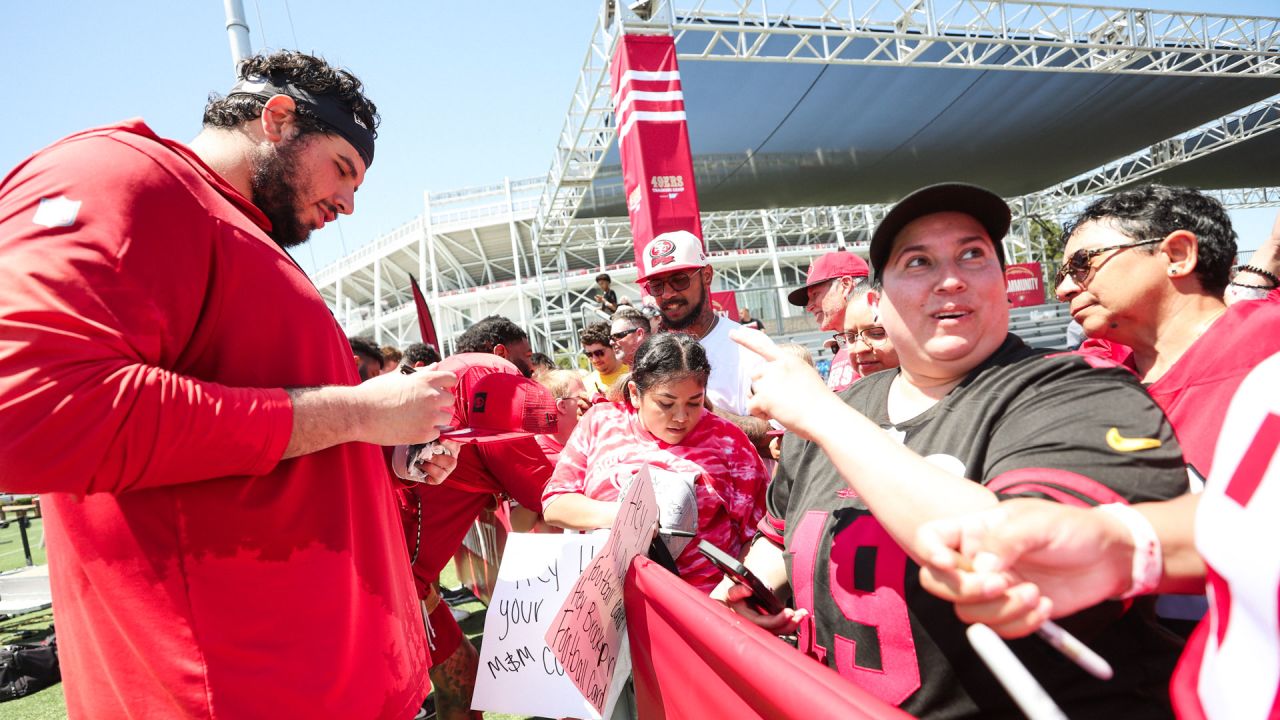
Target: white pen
(1029,695)
(1075,650)
(1064,642)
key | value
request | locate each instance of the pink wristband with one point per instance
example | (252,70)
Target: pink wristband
(1148,559)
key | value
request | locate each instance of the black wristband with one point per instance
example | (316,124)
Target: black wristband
(1275,281)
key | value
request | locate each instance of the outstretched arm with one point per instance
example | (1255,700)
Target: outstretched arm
(1027,561)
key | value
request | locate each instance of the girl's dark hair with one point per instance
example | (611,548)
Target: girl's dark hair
(668,357)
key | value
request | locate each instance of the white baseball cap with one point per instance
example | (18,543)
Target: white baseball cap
(672,251)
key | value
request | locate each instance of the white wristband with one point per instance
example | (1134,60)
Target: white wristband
(1148,559)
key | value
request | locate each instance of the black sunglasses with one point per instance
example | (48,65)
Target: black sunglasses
(1080,264)
(677,283)
(594,353)
(619,335)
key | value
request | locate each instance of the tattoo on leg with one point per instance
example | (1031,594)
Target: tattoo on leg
(453,681)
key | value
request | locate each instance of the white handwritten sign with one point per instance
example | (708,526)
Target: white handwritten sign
(518,673)
(585,634)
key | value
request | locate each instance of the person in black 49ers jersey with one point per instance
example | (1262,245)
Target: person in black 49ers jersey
(971,418)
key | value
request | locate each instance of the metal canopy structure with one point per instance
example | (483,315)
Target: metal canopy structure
(834,105)
(805,122)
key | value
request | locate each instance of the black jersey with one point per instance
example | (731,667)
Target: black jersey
(1024,425)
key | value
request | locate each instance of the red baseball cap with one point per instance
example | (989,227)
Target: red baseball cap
(502,406)
(494,401)
(832,265)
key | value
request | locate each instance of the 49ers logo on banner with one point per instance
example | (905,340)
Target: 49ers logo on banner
(653,142)
(661,253)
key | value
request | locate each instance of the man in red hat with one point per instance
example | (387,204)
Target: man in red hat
(833,280)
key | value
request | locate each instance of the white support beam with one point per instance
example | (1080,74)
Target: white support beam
(377,300)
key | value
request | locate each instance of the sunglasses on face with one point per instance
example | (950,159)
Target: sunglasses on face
(1080,264)
(872,336)
(593,354)
(619,335)
(677,283)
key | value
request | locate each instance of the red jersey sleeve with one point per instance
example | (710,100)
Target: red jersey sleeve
(520,467)
(91,317)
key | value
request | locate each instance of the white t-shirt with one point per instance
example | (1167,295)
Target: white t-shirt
(731,368)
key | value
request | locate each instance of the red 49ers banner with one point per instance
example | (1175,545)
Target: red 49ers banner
(653,139)
(725,304)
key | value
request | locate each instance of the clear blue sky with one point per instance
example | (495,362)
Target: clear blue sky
(470,91)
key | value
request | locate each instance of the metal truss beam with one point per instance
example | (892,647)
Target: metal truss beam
(1036,36)
(1251,122)
(1023,36)
(1247,198)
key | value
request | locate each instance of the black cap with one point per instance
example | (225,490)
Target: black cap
(983,205)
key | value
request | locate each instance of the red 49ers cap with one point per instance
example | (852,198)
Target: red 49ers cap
(671,251)
(495,402)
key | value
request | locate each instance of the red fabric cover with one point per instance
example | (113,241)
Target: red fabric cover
(653,139)
(694,658)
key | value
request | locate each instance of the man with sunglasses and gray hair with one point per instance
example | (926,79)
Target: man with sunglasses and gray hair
(1145,272)
(627,330)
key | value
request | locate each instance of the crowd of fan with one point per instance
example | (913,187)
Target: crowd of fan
(932,412)
(222,542)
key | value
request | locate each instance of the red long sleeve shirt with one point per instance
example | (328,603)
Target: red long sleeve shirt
(147,326)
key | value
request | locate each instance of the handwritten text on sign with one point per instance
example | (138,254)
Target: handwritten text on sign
(585,633)
(518,673)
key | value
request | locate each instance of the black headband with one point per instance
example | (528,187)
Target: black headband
(328,108)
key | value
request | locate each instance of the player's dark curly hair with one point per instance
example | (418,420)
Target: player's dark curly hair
(669,357)
(595,334)
(490,332)
(420,353)
(1149,212)
(301,70)
(365,348)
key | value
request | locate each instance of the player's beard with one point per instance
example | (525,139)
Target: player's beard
(685,322)
(275,193)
